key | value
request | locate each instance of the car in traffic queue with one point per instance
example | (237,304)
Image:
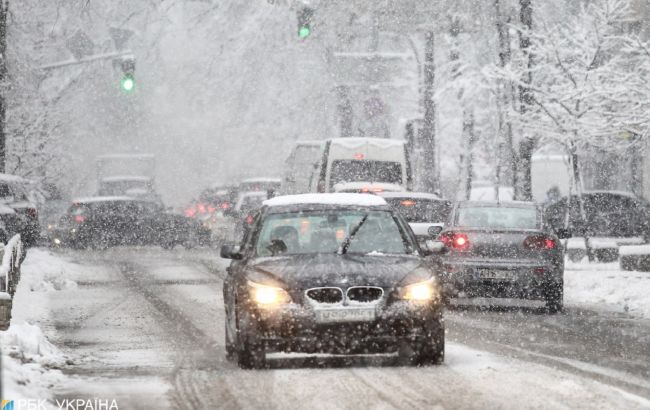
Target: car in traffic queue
(244,210)
(15,194)
(101,222)
(365,187)
(503,250)
(420,209)
(331,273)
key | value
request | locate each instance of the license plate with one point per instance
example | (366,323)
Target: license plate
(339,315)
(495,274)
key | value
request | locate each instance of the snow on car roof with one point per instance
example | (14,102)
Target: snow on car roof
(354,142)
(253,193)
(343,186)
(326,199)
(490,203)
(414,195)
(249,180)
(94,199)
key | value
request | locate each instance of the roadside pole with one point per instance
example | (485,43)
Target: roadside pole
(429,126)
(4,7)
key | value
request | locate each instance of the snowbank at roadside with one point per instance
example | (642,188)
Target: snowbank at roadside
(606,286)
(30,363)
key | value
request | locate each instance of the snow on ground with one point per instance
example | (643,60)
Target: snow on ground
(30,362)
(606,286)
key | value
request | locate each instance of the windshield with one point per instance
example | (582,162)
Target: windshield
(497,217)
(325,231)
(370,171)
(421,210)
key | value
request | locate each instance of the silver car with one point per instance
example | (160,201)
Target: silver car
(502,250)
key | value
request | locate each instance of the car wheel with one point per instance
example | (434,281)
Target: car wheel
(251,352)
(554,297)
(430,351)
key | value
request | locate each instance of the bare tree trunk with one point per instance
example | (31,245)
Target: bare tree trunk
(468,128)
(506,154)
(4,7)
(429,129)
(577,182)
(523,189)
(345,111)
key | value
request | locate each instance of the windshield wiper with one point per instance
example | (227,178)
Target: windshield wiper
(346,242)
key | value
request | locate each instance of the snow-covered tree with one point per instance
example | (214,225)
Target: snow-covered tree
(589,81)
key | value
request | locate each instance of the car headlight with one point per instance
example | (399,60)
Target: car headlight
(268,295)
(421,291)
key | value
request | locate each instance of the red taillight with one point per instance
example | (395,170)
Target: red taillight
(249,219)
(201,208)
(539,242)
(359,156)
(455,240)
(408,202)
(225,205)
(190,212)
(211,209)
(79,218)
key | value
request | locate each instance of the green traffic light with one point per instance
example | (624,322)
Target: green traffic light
(304,32)
(127,83)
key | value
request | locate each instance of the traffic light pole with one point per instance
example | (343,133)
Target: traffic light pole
(90,59)
(4,7)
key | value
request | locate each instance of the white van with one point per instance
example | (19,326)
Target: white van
(301,167)
(371,160)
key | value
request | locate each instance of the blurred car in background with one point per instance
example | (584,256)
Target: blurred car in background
(362,159)
(362,187)
(301,167)
(503,250)
(421,210)
(100,222)
(14,193)
(9,223)
(611,219)
(607,214)
(245,209)
(260,184)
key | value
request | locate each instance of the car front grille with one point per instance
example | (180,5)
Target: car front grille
(325,295)
(364,294)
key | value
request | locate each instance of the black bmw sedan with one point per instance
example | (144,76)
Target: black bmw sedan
(331,273)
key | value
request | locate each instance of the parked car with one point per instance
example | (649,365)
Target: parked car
(14,193)
(364,159)
(608,214)
(335,273)
(100,222)
(421,210)
(503,250)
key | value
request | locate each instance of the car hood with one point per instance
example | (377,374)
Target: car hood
(337,270)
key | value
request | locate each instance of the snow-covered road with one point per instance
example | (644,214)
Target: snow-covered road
(145,327)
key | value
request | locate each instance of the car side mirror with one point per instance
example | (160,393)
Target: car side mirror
(563,233)
(434,231)
(432,247)
(231,251)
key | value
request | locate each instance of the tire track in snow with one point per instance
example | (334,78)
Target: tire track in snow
(198,350)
